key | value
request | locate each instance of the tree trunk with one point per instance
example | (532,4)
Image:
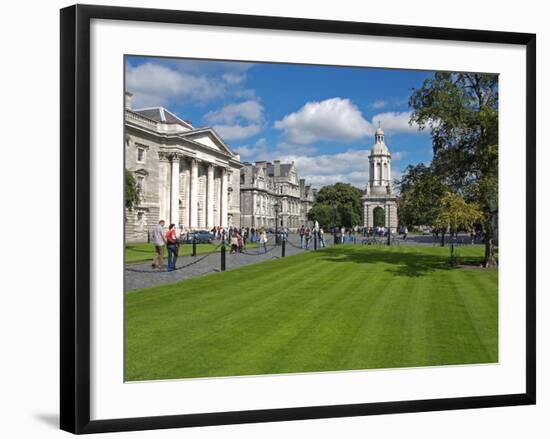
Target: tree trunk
(442,238)
(489,260)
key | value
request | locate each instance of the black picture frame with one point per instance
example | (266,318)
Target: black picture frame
(75,216)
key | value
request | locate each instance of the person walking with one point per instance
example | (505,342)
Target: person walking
(263,239)
(302,233)
(173,245)
(157,238)
(234,242)
(308,237)
(321,237)
(405,233)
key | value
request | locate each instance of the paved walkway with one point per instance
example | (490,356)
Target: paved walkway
(137,276)
(141,275)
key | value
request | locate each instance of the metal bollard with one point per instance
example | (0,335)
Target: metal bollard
(283,248)
(194,246)
(223,256)
(315,241)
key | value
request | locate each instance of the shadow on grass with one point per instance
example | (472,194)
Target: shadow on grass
(409,264)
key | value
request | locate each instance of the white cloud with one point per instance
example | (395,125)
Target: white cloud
(154,84)
(234,78)
(258,151)
(237,132)
(334,119)
(350,166)
(290,148)
(378,104)
(395,122)
(399,155)
(340,120)
(237,121)
(250,111)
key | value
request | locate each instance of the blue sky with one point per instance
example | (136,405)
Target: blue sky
(321,117)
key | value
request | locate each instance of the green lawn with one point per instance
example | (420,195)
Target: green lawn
(142,251)
(343,308)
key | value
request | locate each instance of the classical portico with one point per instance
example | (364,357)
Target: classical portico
(195,193)
(186,175)
(379,191)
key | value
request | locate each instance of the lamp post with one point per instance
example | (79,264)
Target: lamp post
(334,231)
(389,223)
(276,207)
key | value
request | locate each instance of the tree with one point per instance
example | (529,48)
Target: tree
(456,214)
(461,110)
(131,190)
(420,191)
(379,219)
(322,213)
(337,205)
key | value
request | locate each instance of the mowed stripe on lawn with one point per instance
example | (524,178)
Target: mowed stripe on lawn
(337,309)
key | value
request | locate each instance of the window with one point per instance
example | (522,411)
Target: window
(140,181)
(141,155)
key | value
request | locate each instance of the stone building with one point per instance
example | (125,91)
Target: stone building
(379,192)
(187,176)
(264,186)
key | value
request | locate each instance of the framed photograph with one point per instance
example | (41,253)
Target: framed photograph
(275,218)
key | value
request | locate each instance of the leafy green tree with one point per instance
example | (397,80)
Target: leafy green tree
(420,194)
(323,213)
(379,219)
(131,190)
(337,205)
(457,214)
(461,110)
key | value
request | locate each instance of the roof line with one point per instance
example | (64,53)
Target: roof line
(163,111)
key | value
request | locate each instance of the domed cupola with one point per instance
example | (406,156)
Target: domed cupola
(379,147)
(380,165)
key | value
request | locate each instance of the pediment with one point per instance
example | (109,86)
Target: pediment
(208,138)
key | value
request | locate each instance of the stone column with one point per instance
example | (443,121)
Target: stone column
(253,210)
(210,220)
(164,187)
(223,198)
(187,218)
(175,189)
(193,192)
(370,215)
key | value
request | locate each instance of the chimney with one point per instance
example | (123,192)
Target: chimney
(128,100)
(277,170)
(261,164)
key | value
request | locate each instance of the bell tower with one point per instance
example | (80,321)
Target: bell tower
(379,165)
(379,190)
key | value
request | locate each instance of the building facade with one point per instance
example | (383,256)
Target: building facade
(272,193)
(187,176)
(379,192)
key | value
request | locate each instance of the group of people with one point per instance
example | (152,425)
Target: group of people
(240,237)
(237,238)
(306,235)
